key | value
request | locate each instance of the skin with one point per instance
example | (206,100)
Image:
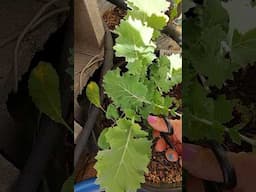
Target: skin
(159,125)
(202,164)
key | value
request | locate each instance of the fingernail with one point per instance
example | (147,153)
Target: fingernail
(171,155)
(152,119)
(189,152)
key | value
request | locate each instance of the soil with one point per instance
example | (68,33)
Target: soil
(162,171)
(242,88)
(113,16)
(85,168)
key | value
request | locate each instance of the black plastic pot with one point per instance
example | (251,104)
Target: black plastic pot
(176,187)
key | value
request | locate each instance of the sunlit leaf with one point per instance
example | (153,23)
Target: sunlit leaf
(121,168)
(93,93)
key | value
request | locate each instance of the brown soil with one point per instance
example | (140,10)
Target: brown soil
(112,17)
(85,168)
(162,171)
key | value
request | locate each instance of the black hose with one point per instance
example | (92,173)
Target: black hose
(119,3)
(34,169)
(228,171)
(93,111)
(172,31)
(82,139)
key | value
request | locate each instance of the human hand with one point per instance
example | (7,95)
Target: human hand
(159,125)
(201,163)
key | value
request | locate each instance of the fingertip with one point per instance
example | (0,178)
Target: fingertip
(157,123)
(171,155)
(160,145)
(156,134)
(152,119)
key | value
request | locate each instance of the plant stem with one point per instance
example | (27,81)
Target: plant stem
(102,109)
(248,140)
(205,121)
(202,120)
(68,127)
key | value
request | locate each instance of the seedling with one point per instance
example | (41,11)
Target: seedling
(140,91)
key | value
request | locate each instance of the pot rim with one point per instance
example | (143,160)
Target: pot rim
(174,187)
(90,185)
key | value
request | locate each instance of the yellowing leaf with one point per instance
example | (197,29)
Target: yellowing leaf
(93,94)
(44,90)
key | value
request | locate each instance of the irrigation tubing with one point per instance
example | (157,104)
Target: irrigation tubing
(33,171)
(119,3)
(94,111)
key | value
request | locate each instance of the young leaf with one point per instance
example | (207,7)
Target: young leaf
(112,112)
(174,11)
(102,141)
(166,74)
(121,168)
(205,116)
(134,42)
(150,13)
(244,47)
(125,91)
(160,74)
(150,7)
(235,136)
(44,89)
(93,94)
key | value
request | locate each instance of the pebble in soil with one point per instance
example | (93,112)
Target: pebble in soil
(162,171)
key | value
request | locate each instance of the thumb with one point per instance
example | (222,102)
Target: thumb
(202,163)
